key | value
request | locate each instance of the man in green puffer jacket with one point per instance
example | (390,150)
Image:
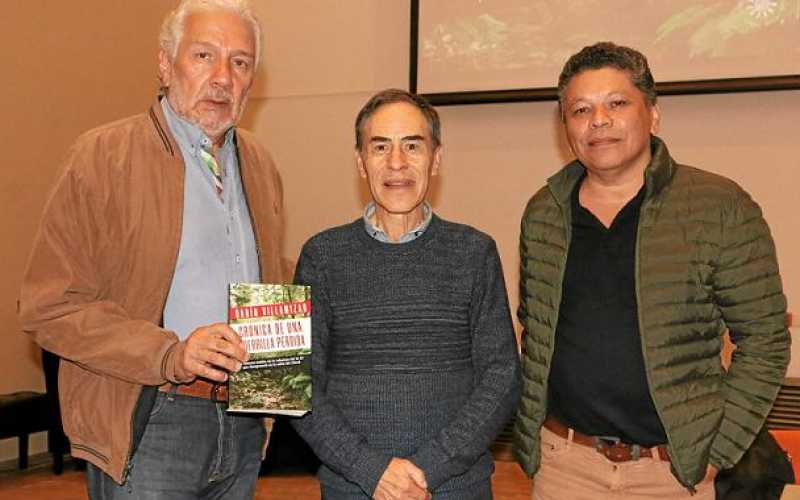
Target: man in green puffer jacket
(632,267)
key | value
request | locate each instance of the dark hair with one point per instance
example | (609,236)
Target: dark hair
(390,96)
(605,54)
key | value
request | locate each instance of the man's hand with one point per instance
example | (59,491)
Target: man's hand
(711,473)
(402,480)
(210,352)
(268,423)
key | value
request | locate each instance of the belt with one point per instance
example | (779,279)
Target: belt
(610,447)
(199,388)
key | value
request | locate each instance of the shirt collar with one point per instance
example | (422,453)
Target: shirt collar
(630,209)
(381,236)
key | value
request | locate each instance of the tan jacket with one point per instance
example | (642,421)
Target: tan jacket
(102,264)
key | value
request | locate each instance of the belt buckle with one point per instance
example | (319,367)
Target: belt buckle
(214,393)
(615,450)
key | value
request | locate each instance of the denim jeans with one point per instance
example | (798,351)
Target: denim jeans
(191,449)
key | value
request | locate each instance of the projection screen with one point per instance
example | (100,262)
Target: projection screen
(465,51)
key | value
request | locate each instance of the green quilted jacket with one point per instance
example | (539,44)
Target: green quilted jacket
(705,261)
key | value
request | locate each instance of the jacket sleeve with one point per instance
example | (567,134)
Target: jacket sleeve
(497,382)
(748,292)
(63,304)
(325,429)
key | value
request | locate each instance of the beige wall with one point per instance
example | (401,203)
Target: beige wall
(67,67)
(321,70)
(70,68)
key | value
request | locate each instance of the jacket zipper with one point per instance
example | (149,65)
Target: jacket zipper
(179,216)
(567,240)
(126,469)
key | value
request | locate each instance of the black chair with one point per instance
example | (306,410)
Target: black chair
(26,412)
(57,442)
(21,414)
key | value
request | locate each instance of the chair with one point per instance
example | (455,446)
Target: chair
(57,442)
(21,414)
(26,412)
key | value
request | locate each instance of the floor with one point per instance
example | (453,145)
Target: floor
(39,483)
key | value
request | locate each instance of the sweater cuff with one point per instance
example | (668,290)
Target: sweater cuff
(368,469)
(433,464)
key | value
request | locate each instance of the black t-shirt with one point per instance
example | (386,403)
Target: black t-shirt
(598,384)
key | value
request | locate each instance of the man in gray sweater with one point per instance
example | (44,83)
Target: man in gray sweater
(415,364)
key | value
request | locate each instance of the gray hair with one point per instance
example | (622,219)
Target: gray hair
(172,28)
(608,54)
(391,96)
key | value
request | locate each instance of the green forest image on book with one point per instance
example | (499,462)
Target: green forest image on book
(275,323)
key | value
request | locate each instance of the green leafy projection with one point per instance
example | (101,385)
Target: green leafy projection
(710,28)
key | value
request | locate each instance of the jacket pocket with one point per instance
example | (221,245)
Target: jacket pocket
(80,395)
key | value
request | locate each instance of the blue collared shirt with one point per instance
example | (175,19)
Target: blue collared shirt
(217,242)
(381,236)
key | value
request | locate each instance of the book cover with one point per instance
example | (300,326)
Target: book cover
(275,323)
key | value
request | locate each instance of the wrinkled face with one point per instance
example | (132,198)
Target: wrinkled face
(212,72)
(608,121)
(397,158)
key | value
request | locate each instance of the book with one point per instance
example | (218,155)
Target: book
(275,323)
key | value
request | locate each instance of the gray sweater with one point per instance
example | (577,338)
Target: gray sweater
(414,355)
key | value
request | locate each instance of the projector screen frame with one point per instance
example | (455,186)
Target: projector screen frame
(712,86)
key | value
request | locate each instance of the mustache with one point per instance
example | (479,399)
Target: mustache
(217,94)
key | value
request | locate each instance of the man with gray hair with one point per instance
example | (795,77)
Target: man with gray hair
(631,268)
(151,219)
(415,367)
